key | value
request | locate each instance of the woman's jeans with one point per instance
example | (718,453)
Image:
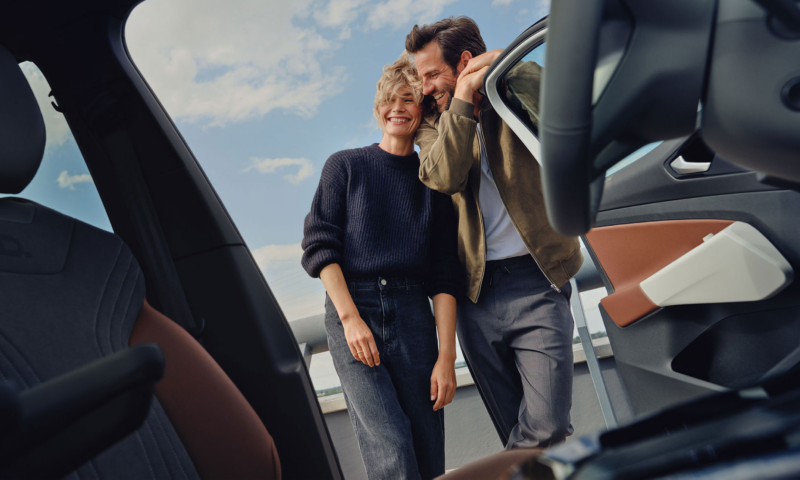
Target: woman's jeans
(399,434)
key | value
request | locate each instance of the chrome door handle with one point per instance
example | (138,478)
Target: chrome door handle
(682,167)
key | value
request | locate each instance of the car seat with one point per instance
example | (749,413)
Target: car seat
(71,294)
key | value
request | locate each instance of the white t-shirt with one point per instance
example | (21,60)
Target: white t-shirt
(502,238)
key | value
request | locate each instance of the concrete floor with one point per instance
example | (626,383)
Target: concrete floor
(469,432)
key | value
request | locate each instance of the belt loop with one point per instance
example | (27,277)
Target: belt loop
(408,285)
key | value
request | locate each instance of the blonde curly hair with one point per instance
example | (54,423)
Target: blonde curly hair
(400,74)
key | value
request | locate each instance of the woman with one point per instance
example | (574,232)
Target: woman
(382,243)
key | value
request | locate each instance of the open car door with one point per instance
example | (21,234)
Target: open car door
(696,252)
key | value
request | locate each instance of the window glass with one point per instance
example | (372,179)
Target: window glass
(632,158)
(62,182)
(522,84)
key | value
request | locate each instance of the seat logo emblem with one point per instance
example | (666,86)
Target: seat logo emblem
(11,247)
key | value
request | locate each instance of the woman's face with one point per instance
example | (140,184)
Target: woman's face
(401,115)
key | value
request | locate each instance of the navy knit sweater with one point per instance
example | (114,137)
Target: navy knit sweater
(373,216)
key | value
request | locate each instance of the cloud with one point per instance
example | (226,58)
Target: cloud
(364,131)
(65,180)
(339,12)
(215,63)
(496,3)
(271,256)
(271,165)
(399,13)
(55,125)
(539,8)
(298,294)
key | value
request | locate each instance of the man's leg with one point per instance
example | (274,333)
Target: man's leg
(491,361)
(540,331)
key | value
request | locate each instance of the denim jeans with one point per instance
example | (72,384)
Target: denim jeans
(398,433)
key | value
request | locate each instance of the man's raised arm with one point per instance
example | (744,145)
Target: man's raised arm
(446,148)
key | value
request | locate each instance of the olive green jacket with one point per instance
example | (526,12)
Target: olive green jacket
(450,162)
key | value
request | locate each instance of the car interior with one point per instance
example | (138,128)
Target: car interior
(159,350)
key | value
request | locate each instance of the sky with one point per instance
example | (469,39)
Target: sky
(264,91)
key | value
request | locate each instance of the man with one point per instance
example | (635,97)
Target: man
(514,321)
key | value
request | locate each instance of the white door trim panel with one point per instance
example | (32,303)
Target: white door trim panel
(738,264)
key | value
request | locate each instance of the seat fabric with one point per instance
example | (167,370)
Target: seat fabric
(221,431)
(70,294)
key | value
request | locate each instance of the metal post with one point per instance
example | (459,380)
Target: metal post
(305,350)
(591,358)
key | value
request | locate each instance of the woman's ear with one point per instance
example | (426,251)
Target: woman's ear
(462,63)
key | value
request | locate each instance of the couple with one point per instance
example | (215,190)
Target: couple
(462,222)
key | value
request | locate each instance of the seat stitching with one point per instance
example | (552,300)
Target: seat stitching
(171,446)
(102,295)
(116,303)
(158,450)
(123,327)
(146,455)
(13,367)
(22,358)
(96,474)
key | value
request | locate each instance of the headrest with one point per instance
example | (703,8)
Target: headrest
(22,135)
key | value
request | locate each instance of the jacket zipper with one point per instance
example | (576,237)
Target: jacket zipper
(482,142)
(483,227)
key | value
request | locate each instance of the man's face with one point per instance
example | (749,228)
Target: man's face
(438,79)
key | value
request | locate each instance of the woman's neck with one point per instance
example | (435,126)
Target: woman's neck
(400,146)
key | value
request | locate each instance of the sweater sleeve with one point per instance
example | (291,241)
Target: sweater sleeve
(323,229)
(446,275)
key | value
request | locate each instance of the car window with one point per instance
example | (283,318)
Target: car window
(522,84)
(63,181)
(633,157)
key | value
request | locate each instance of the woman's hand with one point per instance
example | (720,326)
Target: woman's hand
(356,332)
(443,382)
(360,340)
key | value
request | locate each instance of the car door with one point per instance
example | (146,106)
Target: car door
(661,207)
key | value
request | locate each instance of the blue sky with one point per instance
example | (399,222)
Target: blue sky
(264,92)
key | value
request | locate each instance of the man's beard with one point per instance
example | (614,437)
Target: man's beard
(451,91)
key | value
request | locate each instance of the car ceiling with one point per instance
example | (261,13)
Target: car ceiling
(25,24)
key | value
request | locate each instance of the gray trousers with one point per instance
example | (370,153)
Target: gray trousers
(517,341)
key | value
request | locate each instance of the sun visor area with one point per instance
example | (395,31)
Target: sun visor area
(22,133)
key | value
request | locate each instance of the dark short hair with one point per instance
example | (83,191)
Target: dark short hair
(455,36)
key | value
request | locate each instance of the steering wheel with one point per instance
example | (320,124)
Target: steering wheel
(620,74)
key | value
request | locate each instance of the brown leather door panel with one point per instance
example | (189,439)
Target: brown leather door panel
(631,253)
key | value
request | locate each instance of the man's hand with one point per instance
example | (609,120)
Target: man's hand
(468,85)
(360,340)
(482,60)
(443,382)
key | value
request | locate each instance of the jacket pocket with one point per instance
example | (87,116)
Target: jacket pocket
(572,263)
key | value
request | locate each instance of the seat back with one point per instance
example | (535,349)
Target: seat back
(71,293)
